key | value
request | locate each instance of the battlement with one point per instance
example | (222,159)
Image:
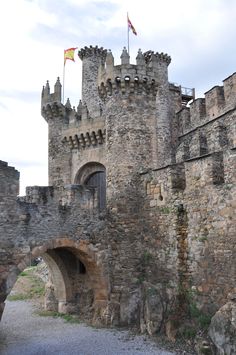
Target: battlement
(208,171)
(217,101)
(149,69)
(207,126)
(128,86)
(91,51)
(85,196)
(9,180)
(48,97)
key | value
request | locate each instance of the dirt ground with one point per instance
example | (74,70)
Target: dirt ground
(30,287)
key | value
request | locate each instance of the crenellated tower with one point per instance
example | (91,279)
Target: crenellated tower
(92,58)
(121,126)
(142,198)
(137,121)
(57,116)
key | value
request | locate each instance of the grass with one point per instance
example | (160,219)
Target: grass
(67,317)
(18,297)
(188,332)
(28,286)
(202,319)
(24,273)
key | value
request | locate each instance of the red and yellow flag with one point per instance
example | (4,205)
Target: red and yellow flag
(131,27)
(69,54)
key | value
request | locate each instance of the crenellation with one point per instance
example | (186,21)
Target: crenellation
(124,57)
(47,196)
(140,60)
(183,120)
(197,113)
(148,67)
(52,111)
(91,51)
(127,86)
(9,181)
(48,97)
(152,58)
(215,102)
(68,104)
(142,178)
(230,91)
(57,90)
(38,194)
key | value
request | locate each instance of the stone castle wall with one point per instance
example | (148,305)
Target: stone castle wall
(168,227)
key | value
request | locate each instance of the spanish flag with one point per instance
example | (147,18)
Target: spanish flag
(69,54)
(130,26)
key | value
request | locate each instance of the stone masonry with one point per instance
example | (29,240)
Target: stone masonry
(140,208)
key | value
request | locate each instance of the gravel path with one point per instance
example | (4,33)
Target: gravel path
(24,333)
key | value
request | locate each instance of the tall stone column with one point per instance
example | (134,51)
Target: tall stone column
(56,115)
(93,58)
(159,63)
(130,118)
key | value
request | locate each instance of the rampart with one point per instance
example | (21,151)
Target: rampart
(139,213)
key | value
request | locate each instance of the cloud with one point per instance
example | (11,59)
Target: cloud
(26,96)
(74,21)
(3,106)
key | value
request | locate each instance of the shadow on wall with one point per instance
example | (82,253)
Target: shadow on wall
(75,282)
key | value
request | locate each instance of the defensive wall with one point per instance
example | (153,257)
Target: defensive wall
(139,213)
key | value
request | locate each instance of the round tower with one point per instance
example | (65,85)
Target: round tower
(158,63)
(93,59)
(129,94)
(56,115)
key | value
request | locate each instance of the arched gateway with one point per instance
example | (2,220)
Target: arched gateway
(76,277)
(168,228)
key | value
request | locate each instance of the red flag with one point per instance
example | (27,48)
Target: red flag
(131,27)
(69,54)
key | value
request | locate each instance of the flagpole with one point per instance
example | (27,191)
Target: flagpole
(63,84)
(128,31)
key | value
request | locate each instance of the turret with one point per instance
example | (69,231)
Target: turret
(129,95)
(92,58)
(158,63)
(47,97)
(57,116)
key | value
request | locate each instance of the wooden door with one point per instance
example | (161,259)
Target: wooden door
(98,180)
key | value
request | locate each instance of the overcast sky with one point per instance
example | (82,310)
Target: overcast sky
(199,35)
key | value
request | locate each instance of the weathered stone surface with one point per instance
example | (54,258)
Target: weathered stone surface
(140,211)
(223,329)
(154,308)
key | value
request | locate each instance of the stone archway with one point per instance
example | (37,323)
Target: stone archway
(77,274)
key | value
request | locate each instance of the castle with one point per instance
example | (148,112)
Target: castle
(140,208)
